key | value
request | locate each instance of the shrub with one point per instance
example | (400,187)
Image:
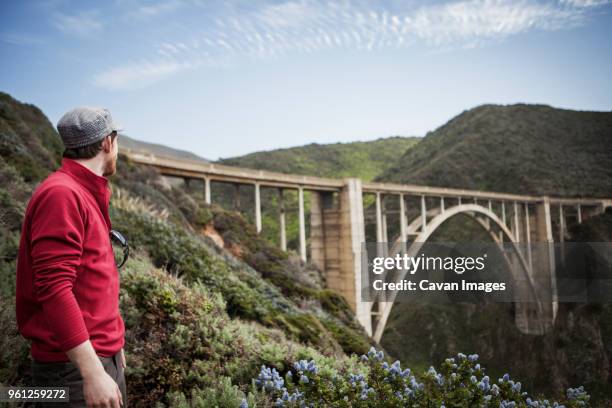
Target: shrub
(459,382)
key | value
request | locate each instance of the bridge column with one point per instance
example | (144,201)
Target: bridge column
(302,223)
(207,190)
(385,232)
(543,268)
(281,220)
(516,227)
(528,238)
(423,214)
(379,222)
(562,234)
(257,209)
(503,209)
(351,237)
(403,225)
(317,231)
(579,213)
(325,241)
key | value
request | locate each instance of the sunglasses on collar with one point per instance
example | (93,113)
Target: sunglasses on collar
(119,239)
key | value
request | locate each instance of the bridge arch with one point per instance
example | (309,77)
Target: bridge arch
(471,210)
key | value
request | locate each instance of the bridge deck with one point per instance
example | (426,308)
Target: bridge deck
(219,172)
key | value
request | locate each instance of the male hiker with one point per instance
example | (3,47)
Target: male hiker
(67,279)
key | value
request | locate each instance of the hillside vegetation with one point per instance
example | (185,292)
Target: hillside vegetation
(356,159)
(529,149)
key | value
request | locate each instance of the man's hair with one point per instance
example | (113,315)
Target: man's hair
(87,152)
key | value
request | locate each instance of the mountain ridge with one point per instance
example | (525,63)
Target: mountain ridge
(158,149)
(364,159)
(519,148)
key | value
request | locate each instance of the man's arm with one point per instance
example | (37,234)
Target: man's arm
(99,389)
(57,232)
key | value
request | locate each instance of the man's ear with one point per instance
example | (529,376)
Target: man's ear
(107,144)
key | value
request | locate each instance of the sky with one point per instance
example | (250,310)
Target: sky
(223,79)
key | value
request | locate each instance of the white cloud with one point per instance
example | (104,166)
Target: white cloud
(140,75)
(288,14)
(467,21)
(20,39)
(148,10)
(308,26)
(83,24)
(585,3)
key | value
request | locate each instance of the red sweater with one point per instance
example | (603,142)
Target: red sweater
(67,279)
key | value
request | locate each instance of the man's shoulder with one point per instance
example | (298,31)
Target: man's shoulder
(57,184)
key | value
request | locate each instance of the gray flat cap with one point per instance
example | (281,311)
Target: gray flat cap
(85,125)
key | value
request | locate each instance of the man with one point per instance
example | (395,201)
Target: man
(67,279)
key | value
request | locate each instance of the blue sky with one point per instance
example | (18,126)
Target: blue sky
(227,78)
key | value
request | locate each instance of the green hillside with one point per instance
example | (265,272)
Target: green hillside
(530,149)
(356,159)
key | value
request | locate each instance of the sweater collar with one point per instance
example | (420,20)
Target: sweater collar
(97,185)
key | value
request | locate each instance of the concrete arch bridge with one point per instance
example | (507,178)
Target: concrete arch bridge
(403,217)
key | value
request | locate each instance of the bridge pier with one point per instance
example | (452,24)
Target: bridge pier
(281,220)
(207,192)
(302,223)
(257,209)
(337,232)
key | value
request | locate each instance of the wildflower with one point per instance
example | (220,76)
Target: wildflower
(269,379)
(244,403)
(575,393)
